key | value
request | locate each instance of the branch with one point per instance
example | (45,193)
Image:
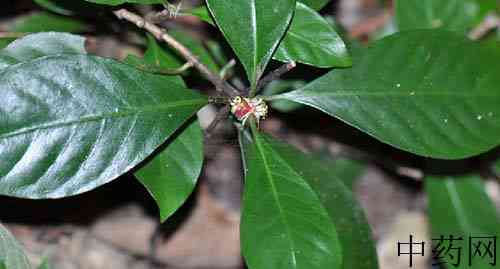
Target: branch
(11,35)
(489,23)
(170,11)
(142,23)
(157,17)
(225,71)
(275,74)
(164,71)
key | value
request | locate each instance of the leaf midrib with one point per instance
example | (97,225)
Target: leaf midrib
(98,117)
(276,196)
(458,205)
(356,92)
(255,42)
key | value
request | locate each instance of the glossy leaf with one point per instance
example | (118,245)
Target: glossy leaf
(459,206)
(217,51)
(45,21)
(171,176)
(284,224)
(327,179)
(358,246)
(119,2)
(5,41)
(456,15)
(280,86)
(202,13)
(429,92)
(315,4)
(312,40)
(159,55)
(41,44)
(11,252)
(253,28)
(157,59)
(348,171)
(69,124)
(54,7)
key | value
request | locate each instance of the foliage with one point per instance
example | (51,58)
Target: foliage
(11,252)
(44,21)
(459,206)
(71,122)
(417,107)
(456,15)
(255,33)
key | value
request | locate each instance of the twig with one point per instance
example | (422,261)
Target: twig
(225,71)
(170,11)
(142,23)
(157,17)
(165,71)
(489,23)
(218,100)
(275,74)
(221,115)
(11,35)
(181,69)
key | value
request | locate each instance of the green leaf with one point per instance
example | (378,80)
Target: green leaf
(459,206)
(139,63)
(119,2)
(38,45)
(456,15)
(159,55)
(202,13)
(171,176)
(280,86)
(2,264)
(71,123)
(45,264)
(312,40)
(284,224)
(11,253)
(358,246)
(253,28)
(54,7)
(44,22)
(429,92)
(216,50)
(5,41)
(315,4)
(348,171)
